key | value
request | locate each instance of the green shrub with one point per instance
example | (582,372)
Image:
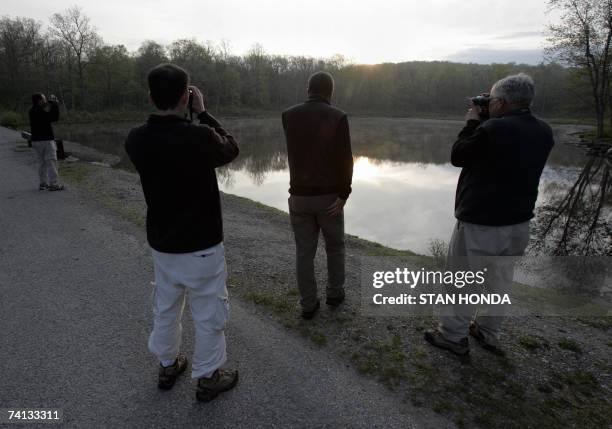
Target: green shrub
(10,119)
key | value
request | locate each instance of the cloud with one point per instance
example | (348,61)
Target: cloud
(520,35)
(488,56)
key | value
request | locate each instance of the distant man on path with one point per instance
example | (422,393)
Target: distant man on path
(42,114)
(321,173)
(176,160)
(502,159)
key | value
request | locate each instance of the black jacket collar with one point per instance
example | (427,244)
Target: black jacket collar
(317,98)
(162,119)
(521,111)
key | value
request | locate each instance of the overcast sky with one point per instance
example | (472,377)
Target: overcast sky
(364,31)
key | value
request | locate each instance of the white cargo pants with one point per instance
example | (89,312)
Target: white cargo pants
(46,151)
(203,275)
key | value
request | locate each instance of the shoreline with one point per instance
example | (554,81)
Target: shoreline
(137,116)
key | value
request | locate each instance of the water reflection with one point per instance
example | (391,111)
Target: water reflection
(403,190)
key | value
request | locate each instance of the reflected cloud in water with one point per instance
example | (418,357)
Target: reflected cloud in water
(402,205)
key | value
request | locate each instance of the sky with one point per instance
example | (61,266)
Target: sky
(365,32)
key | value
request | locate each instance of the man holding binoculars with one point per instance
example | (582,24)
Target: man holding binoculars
(41,115)
(176,161)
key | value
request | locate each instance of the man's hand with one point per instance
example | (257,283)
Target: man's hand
(198,100)
(336,208)
(473,113)
(53,98)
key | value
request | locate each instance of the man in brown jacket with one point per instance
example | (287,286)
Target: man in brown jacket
(321,171)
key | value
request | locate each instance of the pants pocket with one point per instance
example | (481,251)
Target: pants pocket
(51,151)
(221,314)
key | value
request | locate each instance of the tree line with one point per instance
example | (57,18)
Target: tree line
(68,58)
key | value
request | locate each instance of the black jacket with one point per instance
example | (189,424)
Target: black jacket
(40,121)
(318,148)
(176,161)
(502,160)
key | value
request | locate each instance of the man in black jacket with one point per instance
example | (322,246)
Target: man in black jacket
(42,114)
(321,172)
(502,159)
(176,160)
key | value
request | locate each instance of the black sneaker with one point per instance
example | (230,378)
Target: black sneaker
(435,338)
(221,381)
(169,374)
(334,302)
(487,342)
(307,315)
(43,187)
(55,188)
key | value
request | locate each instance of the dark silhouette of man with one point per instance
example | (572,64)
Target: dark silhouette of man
(321,171)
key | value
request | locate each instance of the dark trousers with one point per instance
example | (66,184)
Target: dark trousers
(308,217)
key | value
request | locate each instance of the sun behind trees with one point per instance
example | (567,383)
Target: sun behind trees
(69,58)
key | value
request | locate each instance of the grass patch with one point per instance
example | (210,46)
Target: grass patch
(318,338)
(376,249)
(277,304)
(11,119)
(569,344)
(133,214)
(580,382)
(603,323)
(590,134)
(533,342)
(74,172)
(385,361)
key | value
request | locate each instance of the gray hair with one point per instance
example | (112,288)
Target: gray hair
(515,89)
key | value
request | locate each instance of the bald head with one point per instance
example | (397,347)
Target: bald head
(322,84)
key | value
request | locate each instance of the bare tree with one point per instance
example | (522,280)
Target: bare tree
(80,37)
(577,224)
(582,40)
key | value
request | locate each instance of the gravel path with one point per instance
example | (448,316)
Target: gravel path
(75,317)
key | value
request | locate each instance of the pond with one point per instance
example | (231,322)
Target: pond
(403,185)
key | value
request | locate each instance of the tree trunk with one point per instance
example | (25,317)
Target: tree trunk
(600,123)
(81,92)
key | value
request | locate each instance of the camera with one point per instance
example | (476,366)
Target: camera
(482,101)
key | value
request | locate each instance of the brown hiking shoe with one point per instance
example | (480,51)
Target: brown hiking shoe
(169,374)
(435,338)
(55,188)
(335,301)
(221,381)
(488,342)
(307,315)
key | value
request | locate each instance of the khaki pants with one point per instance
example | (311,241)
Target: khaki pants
(470,247)
(308,217)
(46,150)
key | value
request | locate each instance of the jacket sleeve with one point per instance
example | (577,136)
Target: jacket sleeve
(471,145)
(53,113)
(345,153)
(222,147)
